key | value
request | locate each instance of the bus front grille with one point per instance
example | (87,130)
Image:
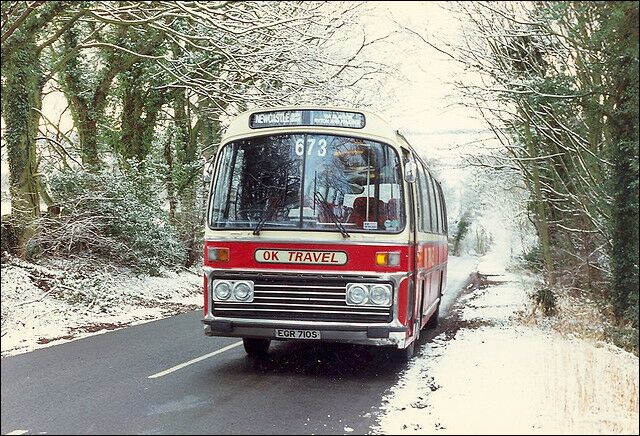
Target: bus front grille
(300,297)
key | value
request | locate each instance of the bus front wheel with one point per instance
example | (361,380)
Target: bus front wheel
(405,354)
(256,347)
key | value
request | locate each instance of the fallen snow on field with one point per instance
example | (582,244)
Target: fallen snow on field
(47,305)
(496,376)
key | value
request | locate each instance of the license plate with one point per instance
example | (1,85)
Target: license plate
(297,334)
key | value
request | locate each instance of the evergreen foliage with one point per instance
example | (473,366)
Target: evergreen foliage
(559,88)
(461,232)
(117,216)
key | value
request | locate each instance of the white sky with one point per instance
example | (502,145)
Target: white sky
(421,99)
(423,96)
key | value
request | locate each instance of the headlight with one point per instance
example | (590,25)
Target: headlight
(380,295)
(232,291)
(242,291)
(357,294)
(369,294)
(222,290)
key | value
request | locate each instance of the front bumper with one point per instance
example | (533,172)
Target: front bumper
(246,324)
(354,334)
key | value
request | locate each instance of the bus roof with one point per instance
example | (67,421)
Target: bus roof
(375,127)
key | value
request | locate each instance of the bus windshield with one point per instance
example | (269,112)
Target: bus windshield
(308,181)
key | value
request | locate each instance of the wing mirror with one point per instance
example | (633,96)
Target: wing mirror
(410,171)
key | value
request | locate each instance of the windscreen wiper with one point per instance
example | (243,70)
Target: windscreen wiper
(338,224)
(263,219)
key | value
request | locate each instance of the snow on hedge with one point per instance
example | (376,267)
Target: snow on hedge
(65,300)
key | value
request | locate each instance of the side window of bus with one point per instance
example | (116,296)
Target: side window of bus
(427,214)
(438,207)
(429,190)
(420,192)
(434,205)
(445,227)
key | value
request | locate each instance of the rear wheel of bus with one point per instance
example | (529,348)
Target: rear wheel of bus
(256,347)
(435,318)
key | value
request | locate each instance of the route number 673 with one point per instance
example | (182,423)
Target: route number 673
(321,149)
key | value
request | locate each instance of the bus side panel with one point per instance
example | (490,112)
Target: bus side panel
(403,301)
(431,276)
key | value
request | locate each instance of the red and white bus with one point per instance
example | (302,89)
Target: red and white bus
(323,224)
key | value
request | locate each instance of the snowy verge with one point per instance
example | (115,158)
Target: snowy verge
(62,300)
(487,373)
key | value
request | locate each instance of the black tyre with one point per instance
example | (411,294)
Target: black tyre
(256,347)
(406,354)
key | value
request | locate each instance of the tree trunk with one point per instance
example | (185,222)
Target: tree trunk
(88,135)
(171,192)
(624,154)
(22,93)
(140,110)
(538,200)
(186,188)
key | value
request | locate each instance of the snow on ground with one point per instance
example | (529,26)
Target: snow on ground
(497,304)
(458,270)
(498,376)
(44,305)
